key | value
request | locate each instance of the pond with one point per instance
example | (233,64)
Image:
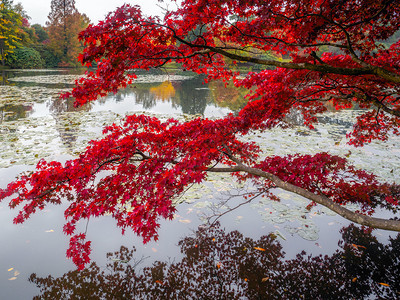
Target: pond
(253,250)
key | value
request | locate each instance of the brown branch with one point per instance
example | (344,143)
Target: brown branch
(386,109)
(371,70)
(385,224)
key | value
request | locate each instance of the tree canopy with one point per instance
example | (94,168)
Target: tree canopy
(325,52)
(9,29)
(64,25)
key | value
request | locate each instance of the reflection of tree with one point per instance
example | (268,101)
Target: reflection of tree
(192,96)
(3,78)
(164,91)
(68,130)
(144,97)
(13,112)
(228,96)
(219,265)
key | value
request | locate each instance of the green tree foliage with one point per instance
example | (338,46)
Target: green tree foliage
(25,58)
(50,60)
(10,22)
(65,22)
(40,32)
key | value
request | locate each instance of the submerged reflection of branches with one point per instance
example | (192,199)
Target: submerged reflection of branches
(220,265)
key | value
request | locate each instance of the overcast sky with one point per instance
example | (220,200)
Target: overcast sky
(96,10)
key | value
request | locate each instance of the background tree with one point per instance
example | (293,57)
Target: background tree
(148,163)
(24,55)
(10,21)
(64,25)
(40,32)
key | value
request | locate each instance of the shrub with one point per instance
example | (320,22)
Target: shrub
(25,58)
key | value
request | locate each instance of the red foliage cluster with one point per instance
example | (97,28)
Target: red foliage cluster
(329,175)
(329,51)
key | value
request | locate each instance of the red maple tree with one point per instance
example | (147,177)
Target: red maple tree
(334,53)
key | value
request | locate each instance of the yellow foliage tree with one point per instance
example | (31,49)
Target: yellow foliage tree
(10,22)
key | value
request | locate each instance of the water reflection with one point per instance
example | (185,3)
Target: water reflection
(37,123)
(178,94)
(14,112)
(188,96)
(68,131)
(227,265)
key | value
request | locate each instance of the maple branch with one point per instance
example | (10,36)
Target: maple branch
(379,223)
(380,105)
(279,40)
(324,68)
(385,224)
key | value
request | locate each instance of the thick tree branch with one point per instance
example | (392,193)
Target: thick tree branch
(385,224)
(369,70)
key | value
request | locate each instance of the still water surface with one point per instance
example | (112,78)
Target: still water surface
(250,255)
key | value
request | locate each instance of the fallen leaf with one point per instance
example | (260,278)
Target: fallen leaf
(258,248)
(51,230)
(384,284)
(186,221)
(159,282)
(264,279)
(358,246)
(354,279)
(154,249)
(16,273)
(10,269)
(12,278)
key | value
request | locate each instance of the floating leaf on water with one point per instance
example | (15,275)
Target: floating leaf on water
(260,249)
(186,221)
(358,246)
(309,235)
(202,204)
(384,284)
